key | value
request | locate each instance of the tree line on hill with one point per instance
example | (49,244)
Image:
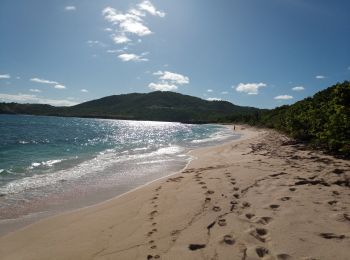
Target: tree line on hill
(322,120)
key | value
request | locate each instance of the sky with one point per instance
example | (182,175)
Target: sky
(248,52)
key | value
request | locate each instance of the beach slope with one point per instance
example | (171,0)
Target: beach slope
(260,197)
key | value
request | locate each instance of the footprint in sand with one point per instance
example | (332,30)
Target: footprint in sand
(207,199)
(274,206)
(204,187)
(260,234)
(332,202)
(216,208)
(235,188)
(228,240)
(264,220)
(154,212)
(210,192)
(335,193)
(292,189)
(245,204)
(285,198)
(222,222)
(261,251)
(249,215)
(194,247)
(236,195)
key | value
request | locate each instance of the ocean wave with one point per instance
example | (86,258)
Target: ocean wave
(48,163)
(92,166)
(155,161)
(221,135)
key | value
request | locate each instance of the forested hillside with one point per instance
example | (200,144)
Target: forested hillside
(155,106)
(322,120)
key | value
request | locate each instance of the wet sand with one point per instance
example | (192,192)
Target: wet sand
(259,197)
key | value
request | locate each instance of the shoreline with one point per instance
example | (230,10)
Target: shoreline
(10,225)
(253,197)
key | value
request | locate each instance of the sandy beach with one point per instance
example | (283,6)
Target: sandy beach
(260,197)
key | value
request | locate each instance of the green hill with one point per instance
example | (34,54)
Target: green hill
(322,120)
(157,106)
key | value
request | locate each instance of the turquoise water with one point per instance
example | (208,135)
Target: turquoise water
(48,156)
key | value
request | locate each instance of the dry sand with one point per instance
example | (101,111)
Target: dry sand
(261,197)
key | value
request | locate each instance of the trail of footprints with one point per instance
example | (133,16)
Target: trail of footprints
(152,215)
(257,230)
(238,207)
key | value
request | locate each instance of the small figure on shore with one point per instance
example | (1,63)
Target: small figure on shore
(234,127)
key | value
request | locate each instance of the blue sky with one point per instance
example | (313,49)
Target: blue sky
(249,52)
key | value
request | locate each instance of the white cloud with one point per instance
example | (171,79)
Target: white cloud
(283,97)
(108,29)
(131,57)
(5,76)
(126,22)
(59,86)
(92,43)
(320,77)
(149,7)
(163,86)
(175,78)
(224,92)
(35,90)
(298,88)
(168,81)
(249,88)
(131,22)
(70,8)
(43,81)
(209,90)
(118,39)
(214,99)
(25,98)
(84,90)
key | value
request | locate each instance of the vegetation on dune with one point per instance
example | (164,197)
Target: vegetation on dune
(322,120)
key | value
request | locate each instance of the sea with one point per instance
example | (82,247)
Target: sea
(52,164)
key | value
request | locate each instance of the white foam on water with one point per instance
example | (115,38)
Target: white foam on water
(218,136)
(48,163)
(95,165)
